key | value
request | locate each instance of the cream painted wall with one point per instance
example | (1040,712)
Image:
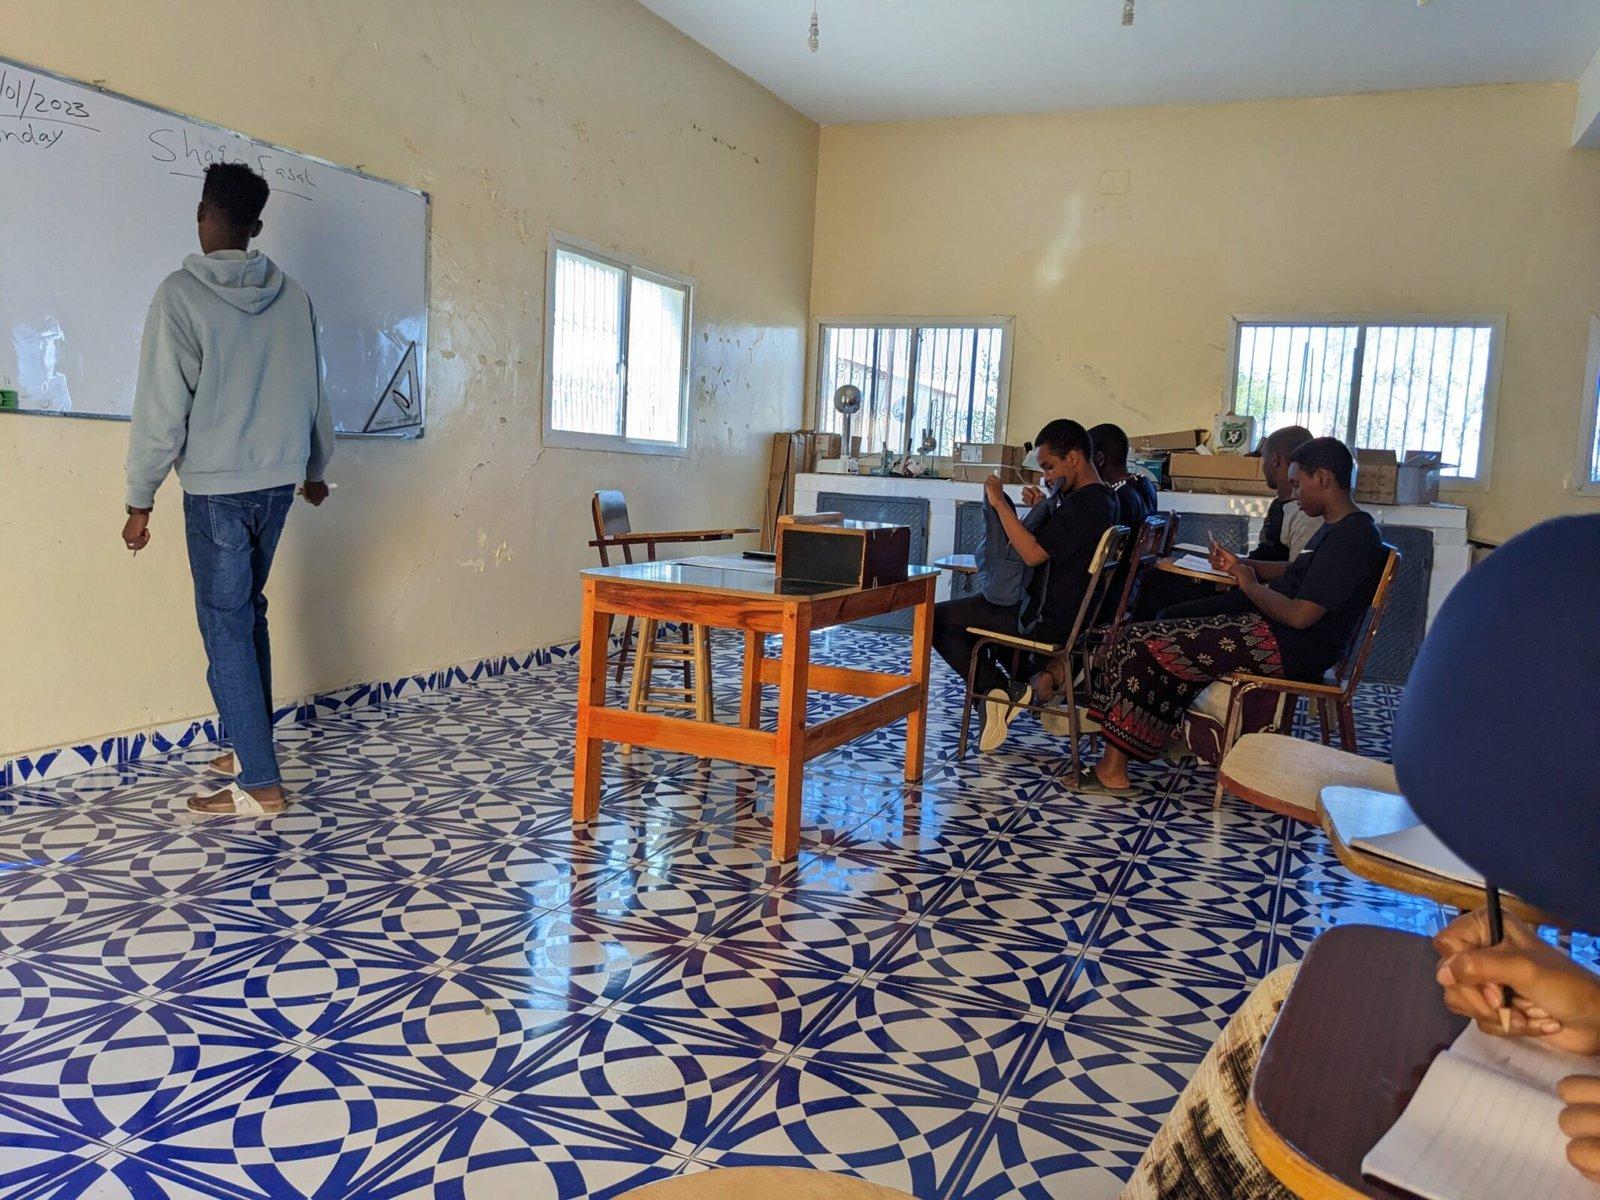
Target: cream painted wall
(519,116)
(1123,240)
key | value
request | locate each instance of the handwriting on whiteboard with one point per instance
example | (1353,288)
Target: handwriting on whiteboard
(37,112)
(41,112)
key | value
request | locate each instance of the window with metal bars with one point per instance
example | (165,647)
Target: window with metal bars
(926,384)
(1587,478)
(1392,383)
(616,352)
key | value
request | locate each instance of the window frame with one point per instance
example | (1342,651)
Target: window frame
(633,266)
(1476,482)
(1588,414)
(1006,325)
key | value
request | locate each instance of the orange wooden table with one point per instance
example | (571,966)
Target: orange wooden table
(756,603)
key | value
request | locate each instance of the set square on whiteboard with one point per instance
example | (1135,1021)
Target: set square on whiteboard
(100,208)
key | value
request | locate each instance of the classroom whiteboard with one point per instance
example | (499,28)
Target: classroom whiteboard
(97,206)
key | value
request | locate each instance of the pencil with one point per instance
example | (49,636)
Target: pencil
(1497,934)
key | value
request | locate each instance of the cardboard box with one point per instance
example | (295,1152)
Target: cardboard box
(995,453)
(1382,478)
(977,472)
(1183,439)
(1228,474)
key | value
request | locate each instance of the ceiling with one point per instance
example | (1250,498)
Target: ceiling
(886,60)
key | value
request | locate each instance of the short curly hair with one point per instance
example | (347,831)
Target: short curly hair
(236,192)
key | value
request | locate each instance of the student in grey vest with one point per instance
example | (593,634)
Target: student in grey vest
(230,394)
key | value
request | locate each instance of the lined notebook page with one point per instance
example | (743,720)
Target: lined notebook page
(1194,562)
(1483,1126)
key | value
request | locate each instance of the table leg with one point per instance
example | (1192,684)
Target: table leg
(591,695)
(791,735)
(750,698)
(921,666)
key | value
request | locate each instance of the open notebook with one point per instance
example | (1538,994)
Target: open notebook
(1484,1126)
(1200,564)
(1420,847)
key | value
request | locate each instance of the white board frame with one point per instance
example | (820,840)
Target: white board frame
(407,433)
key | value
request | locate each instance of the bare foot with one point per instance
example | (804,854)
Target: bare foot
(225,764)
(270,798)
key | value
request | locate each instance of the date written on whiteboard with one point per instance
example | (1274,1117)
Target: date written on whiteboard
(176,146)
(42,117)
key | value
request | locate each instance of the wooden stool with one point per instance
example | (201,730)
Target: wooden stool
(692,654)
(765,1183)
(1287,774)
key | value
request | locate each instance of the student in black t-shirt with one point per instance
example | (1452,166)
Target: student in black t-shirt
(1080,509)
(1164,596)
(1300,617)
(1136,494)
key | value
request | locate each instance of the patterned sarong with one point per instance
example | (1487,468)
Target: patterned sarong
(1156,670)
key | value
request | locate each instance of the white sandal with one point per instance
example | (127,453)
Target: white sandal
(244,804)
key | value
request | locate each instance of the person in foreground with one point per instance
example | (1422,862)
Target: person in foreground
(1298,618)
(1533,632)
(1058,548)
(1285,531)
(230,393)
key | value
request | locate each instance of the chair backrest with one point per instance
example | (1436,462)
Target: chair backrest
(1349,668)
(1148,549)
(610,512)
(1103,566)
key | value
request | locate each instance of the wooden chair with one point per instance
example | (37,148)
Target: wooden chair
(1154,539)
(613,532)
(1286,775)
(1334,698)
(1103,566)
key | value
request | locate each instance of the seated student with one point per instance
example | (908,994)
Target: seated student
(1058,547)
(1284,533)
(1299,618)
(1201,1151)
(1136,494)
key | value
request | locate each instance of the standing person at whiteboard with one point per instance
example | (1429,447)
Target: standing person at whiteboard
(230,393)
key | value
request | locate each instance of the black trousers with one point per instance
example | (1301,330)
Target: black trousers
(952,642)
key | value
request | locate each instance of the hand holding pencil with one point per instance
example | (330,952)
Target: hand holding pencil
(1556,1001)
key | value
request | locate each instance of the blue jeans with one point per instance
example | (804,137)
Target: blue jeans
(231,543)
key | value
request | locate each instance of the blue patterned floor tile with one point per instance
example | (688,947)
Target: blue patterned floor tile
(129,1066)
(306,1124)
(816,1115)
(495,1150)
(720,992)
(1049,864)
(154,946)
(1182,892)
(294,985)
(890,889)
(627,1077)
(950,1043)
(1217,945)
(40,1003)
(1026,1156)
(573,957)
(457,1031)
(814,933)
(1021,972)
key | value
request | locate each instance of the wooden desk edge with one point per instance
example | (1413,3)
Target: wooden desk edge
(1287,1165)
(1414,881)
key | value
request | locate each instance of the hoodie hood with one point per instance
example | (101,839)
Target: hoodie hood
(246,279)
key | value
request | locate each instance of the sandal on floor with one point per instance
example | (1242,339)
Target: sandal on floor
(244,804)
(1089,784)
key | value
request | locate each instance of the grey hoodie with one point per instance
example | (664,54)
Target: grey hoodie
(230,382)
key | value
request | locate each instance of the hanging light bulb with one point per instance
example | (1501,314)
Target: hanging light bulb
(1127,12)
(812,40)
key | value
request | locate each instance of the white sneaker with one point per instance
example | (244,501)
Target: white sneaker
(999,710)
(1056,723)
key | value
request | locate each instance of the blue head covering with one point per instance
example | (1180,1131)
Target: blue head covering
(1497,741)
